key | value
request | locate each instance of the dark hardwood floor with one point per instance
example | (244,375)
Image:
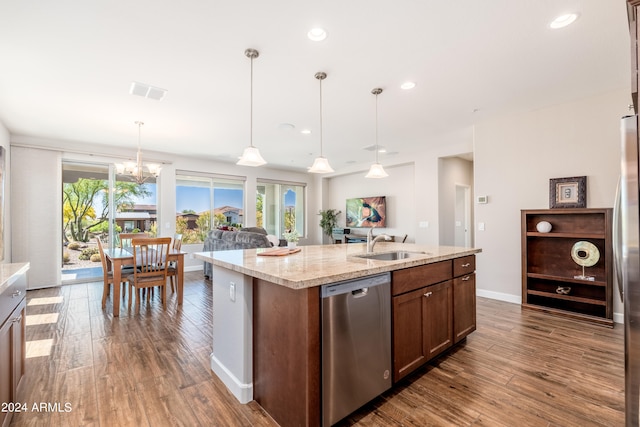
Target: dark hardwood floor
(520,368)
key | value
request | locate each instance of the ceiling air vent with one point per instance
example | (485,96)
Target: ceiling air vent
(147,91)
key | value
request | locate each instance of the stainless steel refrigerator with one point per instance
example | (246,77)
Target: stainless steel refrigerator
(627,262)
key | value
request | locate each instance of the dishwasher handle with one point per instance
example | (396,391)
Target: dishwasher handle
(359,293)
(357,287)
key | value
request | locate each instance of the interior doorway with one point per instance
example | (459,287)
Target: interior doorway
(462,225)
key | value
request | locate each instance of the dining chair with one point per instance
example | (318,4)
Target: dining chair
(124,239)
(107,276)
(150,257)
(172,270)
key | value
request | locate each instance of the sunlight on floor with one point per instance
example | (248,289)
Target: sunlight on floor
(39,348)
(42,319)
(44,301)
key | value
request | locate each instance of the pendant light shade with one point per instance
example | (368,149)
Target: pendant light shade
(251,155)
(321,164)
(376,170)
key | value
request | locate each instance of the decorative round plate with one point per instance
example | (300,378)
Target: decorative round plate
(585,254)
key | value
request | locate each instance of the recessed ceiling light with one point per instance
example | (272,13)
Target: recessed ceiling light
(382,150)
(305,131)
(563,20)
(407,85)
(317,34)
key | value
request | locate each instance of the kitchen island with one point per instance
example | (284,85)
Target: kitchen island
(266,316)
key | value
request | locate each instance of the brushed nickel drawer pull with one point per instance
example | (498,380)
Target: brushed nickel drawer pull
(16,294)
(466,265)
(465,278)
(428,294)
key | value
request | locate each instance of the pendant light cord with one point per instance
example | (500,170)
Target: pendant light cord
(320,117)
(251,106)
(377,128)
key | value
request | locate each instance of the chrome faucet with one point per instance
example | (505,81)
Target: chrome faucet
(371,241)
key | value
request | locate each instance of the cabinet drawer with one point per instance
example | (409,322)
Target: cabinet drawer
(12,295)
(464,265)
(413,278)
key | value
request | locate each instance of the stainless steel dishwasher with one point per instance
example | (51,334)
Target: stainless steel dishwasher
(356,344)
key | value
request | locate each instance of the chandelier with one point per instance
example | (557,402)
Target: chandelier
(138,171)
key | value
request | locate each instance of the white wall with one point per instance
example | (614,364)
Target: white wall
(398,188)
(6,215)
(514,158)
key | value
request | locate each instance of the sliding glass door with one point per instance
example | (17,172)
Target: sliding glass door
(98,204)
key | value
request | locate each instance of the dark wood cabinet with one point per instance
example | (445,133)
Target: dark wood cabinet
(422,326)
(464,297)
(551,278)
(632,15)
(432,309)
(12,358)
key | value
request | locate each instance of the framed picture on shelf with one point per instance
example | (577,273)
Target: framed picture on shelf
(568,192)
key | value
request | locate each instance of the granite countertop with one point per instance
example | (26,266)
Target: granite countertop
(322,264)
(9,272)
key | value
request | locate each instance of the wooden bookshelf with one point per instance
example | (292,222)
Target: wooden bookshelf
(547,264)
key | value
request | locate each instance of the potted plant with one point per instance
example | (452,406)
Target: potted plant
(292,238)
(329,220)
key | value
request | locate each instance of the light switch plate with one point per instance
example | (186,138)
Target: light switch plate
(481,226)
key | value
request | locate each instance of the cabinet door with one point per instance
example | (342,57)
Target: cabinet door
(6,382)
(464,306)
(409,348)
(18,343)
(438,315)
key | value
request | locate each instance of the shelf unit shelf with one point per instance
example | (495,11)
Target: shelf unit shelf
(547,264)
(567,297)
(567,279)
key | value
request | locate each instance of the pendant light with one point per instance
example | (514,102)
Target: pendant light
(251,155)
(320,164)
(139,172)
(376,170)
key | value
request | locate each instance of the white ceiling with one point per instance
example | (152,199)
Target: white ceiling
(66,68)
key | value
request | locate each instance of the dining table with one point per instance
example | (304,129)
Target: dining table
(121,257)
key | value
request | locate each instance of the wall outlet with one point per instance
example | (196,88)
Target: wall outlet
(232,291)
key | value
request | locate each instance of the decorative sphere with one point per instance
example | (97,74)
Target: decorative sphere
(543,227)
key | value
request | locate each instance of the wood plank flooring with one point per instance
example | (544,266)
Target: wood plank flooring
(520,368)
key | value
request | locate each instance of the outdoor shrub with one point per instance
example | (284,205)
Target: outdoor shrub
(66,258)
(74,246)
(95,258)
(86,253)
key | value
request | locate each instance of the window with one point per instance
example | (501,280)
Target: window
(207,201)
(280,206)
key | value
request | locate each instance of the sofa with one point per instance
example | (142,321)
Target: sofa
(226,240)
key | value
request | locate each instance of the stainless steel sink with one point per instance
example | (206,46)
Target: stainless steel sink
(391,256)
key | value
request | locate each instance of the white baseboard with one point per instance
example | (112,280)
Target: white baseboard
(194,268)
(618,318)
(516,299)
(242,392)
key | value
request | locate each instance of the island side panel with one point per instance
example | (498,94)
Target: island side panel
(286,353)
